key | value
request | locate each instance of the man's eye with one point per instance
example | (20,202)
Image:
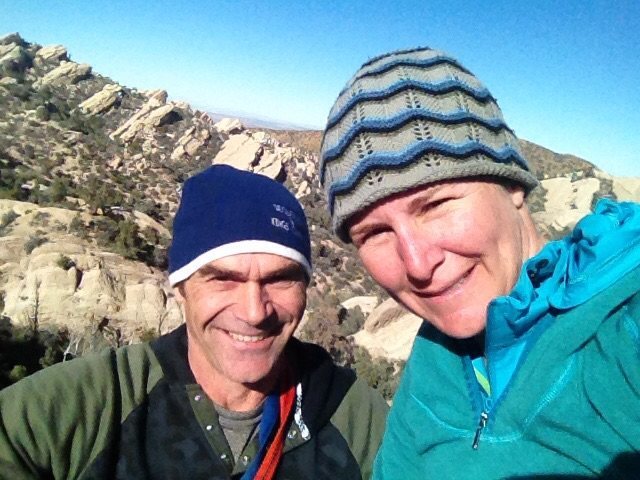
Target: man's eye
(287,280)
(220,282)
(282,282)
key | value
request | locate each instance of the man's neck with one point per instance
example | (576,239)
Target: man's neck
(237,397)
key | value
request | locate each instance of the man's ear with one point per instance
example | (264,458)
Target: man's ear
(178,292)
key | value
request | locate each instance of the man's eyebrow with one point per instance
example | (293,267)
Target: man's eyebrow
(288,271)
(214,271)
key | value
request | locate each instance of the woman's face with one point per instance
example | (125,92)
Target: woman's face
(447,249)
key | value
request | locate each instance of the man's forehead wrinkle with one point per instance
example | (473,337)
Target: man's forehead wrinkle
(250,267)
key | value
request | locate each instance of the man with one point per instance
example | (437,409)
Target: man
(528,362)
(230,395)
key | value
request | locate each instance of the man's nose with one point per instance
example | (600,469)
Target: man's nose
(419,254)
(257,306)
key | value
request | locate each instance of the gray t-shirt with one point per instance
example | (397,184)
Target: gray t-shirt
(238,427)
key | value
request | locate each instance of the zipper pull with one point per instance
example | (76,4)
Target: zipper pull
(484,416)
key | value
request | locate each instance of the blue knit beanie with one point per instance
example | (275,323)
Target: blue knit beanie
(225,211)
(407,119)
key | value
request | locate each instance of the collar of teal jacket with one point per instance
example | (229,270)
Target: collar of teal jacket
(603,247)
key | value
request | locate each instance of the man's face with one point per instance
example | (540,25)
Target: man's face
(240,313)
(446,250)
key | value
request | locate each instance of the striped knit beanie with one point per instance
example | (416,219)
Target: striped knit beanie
(408,119)
(225,211)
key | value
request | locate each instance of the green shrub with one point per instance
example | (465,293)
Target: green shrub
(352,321)
(128,242)
(11,185)
(42,113)
(536,199)
(379,373)
(148,335)
(7,219)
(604,191)
(24,351)
(78,228)
(18,372)
(58,190)
(40,218)
(34,242)
(65,262)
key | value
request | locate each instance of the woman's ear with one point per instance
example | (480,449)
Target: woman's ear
(516,192)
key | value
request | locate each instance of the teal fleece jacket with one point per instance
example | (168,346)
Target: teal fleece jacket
(563,358)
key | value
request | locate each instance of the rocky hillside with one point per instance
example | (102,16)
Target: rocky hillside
(90,174)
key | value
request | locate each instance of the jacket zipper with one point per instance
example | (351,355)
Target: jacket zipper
(484,416)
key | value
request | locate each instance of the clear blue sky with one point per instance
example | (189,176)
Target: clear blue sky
(566,73)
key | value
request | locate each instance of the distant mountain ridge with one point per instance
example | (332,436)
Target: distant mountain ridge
(259,123)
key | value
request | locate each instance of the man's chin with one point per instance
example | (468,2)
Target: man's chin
(260,379)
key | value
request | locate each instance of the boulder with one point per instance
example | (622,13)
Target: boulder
(14,56)
(566,202)
(384,314)
(627,188)
(229,126)
(303,189)
(253,153)
(66,73)
(115,163)
(135,123)
(149,116)
(83,289)
(156,97)
(162,116)
(563,194)
(366,303)
(51,52)
(189,144)
(205,117)
(14,38)
(183,106)
(143,305)
(389,331)
(103,100)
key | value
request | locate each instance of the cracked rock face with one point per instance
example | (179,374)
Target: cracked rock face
(67,72)
(102,101)
(85,289)
(51,52)
(256,152)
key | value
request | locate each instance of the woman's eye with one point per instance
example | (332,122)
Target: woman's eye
(372,234)
(433,204)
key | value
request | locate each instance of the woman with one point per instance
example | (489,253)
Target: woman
(528,362)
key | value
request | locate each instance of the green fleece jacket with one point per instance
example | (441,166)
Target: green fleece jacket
(563,351)
(137,412)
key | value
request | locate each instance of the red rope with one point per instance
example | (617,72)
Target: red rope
(273,454)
